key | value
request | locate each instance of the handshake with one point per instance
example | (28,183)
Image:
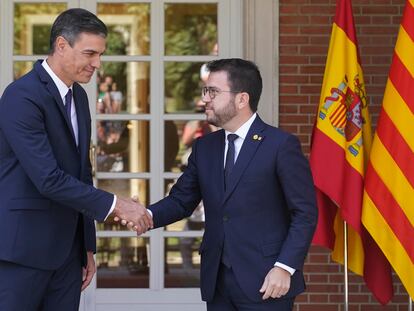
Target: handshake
(134,215)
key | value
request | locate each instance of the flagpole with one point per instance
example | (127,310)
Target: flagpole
(346,294)
(410,304)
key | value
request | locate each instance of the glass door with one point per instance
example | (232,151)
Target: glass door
(147,113)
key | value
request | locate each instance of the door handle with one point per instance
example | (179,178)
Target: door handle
(92,156)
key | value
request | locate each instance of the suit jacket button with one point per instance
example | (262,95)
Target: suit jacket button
(225,218)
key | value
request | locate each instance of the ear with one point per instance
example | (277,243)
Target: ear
(242,100)
(60,44)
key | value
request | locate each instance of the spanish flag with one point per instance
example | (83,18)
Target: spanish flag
(388,205)
(341,142)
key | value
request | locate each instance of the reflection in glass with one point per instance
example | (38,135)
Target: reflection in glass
(128,25)
(194,222)
(123,88)
(172,134)
(178,225)
(123,146)
(179,137)
(183,82)
(32,23)
(125,188)
(122,263)
(21,68)
(190,29)
(182,262)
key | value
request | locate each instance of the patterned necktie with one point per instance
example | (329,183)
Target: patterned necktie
(229,157)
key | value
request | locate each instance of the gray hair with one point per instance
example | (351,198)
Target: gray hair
(71,23)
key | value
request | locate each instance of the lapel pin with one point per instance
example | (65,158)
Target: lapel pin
(257,137)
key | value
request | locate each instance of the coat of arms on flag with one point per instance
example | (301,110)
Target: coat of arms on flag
(342,108)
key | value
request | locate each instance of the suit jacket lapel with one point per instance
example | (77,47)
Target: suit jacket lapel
(248,150)
(53,90)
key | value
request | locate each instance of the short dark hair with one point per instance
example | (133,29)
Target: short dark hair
(71,23)
(243,76)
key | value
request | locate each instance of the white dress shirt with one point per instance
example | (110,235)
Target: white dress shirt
(238,142)
(63,90)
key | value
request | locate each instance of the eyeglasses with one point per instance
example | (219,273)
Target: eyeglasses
(213,91)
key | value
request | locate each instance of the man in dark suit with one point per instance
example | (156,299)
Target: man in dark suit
(258,194)
(47,201)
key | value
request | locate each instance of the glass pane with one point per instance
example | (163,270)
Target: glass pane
(183,82)
(129,27)
(122,263)
(123,88)
(194,222)
(172,145)
(32,23)
(178,225)
(190,29)
(179,136)
(182,262)
(123,146)
(125,188)
(21,68)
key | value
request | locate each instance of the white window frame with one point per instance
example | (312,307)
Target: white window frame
(261,45)
(230,44)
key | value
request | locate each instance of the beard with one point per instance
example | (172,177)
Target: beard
(223,115)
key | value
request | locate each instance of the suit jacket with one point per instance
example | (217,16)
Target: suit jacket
(267,213)
(45,179)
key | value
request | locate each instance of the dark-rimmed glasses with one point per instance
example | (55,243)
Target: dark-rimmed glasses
(213,91)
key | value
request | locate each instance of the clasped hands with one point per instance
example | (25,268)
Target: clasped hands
(134,215)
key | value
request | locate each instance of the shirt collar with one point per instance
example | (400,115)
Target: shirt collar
(62,87)
(244,129)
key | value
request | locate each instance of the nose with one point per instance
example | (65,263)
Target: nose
(96,62)
(205,101)
(207,104)
(205,98)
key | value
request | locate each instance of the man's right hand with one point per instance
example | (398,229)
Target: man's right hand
(133,214)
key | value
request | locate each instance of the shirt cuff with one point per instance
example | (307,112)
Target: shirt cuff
(149,212)
(112,207)
(285,267)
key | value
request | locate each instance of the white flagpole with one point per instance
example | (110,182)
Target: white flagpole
(346,294)
(410,304)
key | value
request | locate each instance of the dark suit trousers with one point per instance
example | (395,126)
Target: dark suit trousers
(230,297)
(29,289)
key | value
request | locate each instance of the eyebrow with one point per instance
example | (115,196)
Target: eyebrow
(92,51)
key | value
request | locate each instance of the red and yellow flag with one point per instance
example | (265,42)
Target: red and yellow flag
(388,206)
(340,147)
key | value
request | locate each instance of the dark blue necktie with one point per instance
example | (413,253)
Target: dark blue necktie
(228,167)
(68,105)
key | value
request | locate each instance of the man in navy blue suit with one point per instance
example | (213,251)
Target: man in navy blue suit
(258,194)
(47,201)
